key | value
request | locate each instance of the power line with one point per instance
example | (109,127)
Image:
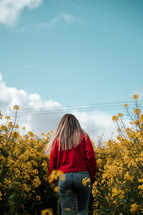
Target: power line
(98,105)
(86,108)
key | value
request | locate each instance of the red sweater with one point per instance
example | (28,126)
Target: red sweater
(81,158)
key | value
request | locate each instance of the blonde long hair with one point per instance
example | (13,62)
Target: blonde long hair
(69,133)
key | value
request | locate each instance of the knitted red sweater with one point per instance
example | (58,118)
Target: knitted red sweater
(81,158)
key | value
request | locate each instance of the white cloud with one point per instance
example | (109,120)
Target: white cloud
(11,9)
(97,124)
(42,116)
(62,18)
(35,113)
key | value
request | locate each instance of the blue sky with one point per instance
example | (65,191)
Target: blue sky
(74,52)
(95,54)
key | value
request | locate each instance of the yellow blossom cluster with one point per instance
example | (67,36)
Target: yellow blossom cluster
(115,118)
(55,174)
(26,187)
(16,107)
(48,211)
(135,96)
(67,209)
(53,178)
(85,181)
(137,111)
(134,208)
(119,185)
(24,180)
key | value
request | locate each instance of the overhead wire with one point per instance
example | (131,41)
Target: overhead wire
(110,106)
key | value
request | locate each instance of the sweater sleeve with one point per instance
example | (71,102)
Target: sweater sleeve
(90,158)
(53,158)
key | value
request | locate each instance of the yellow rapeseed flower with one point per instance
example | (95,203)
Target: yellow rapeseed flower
(118,129)
(136,111)
(125,105)
(136,122)
(135,96)
(141,117)
(114,118)
(15,134)
(30,134)
(7,117)
(4,128)
(140,180)
(55,174)
(140,187)
(47,212)
(117,192)
(85,180)
(127,176)
(16,107)
(67,209)
(134,208)
(36,182)
(120,115)
(95,183)
(56,189)
(10,124)
(38,197)
(26,187)
(16,126)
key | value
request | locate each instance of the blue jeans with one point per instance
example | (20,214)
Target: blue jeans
(69,188)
